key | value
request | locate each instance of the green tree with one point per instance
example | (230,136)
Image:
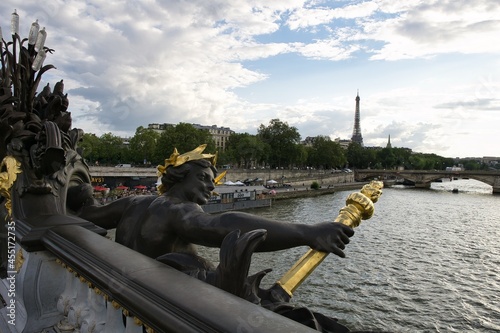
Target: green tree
(447,162)
(354,155)
(282,140)
(143,146)
(245,149)
(361,157)
(224,157)
(88,148)
(401,156)
(416,162)
(111,149)
(473,165)
(387,158)
(301,156)
(326,154)
(420,161)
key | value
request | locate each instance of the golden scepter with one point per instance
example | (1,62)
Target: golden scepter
(359,206)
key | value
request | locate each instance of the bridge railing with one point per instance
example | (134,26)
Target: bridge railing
(85,282)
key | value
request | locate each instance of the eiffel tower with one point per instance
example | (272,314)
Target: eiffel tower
(356,133)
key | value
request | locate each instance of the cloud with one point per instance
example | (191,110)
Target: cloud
(417,136)
(127,63)
(313,16)
(240,64)
(475,105)
(435,27)
(327,50)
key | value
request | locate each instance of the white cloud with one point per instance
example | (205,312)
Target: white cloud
(311,16)
(435,27)
(327,49)
(240,64)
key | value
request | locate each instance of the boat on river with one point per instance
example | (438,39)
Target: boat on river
(241,197)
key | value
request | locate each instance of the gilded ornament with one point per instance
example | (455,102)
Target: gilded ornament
(373,190)
(177,159)
(115,304)
(8,177)
(359,206)
(19,260)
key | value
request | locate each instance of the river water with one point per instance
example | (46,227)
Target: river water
(427,261)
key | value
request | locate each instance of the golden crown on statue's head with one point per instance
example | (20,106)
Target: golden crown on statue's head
(177,159)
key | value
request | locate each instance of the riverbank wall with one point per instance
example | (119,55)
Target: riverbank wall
(295,178)
(237,205)
(292,193)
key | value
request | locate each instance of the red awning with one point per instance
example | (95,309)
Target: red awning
(122,187)
(140,187)
(100,188)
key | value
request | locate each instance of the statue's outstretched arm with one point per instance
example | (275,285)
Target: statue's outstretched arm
(105,216)
(327,236)
(209,230)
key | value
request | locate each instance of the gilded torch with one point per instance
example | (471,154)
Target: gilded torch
(359,206)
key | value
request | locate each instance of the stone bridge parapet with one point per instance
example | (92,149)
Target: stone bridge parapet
(423,178)
(295,177)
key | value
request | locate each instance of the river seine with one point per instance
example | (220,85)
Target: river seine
(427,261)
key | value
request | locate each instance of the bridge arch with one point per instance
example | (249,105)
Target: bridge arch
(423,178)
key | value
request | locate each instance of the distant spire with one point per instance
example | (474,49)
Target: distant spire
(389,142)
(356,133)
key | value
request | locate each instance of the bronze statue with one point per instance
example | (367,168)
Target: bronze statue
(174,220)
(168,226)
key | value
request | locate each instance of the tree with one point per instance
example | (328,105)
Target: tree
(300,157)
(143,146)
(326,154)
(245,149)
(88,148)
(224,157)
(387,158)
(111,149)
(362,157)
(474,165)
(107,149)
(282,139)
(354,155)
(401,155)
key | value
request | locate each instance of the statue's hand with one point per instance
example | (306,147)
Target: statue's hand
(80,196)
(330,237)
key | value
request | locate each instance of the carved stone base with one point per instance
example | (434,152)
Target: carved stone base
(37,287)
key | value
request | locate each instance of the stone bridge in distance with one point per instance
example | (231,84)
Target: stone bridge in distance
(423,178)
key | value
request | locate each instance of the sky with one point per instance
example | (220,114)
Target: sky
(427,71)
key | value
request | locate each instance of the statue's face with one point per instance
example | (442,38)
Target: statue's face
(199,184)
